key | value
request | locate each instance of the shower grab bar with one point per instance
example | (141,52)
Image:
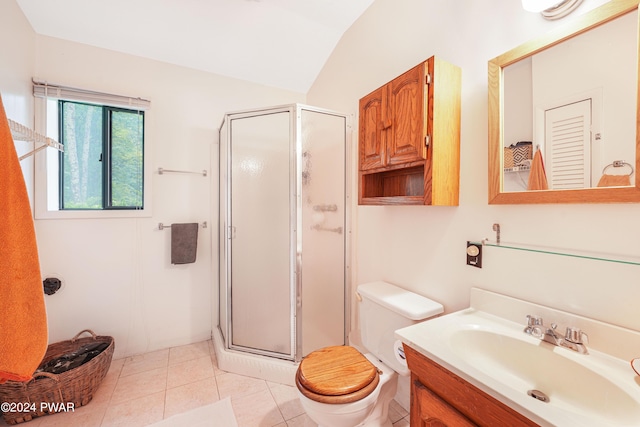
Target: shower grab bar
(162,171)
(161,226)
(332,230)
(325,208)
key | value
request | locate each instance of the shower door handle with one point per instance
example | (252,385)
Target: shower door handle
(231,232)
(297,273)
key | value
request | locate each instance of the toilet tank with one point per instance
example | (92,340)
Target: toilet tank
(383,309)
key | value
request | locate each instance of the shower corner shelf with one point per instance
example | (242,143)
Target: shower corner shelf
(518,168)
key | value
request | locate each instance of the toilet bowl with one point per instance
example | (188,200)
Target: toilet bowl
(369,403)
(341,387)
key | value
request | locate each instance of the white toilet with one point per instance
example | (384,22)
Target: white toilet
(341,387)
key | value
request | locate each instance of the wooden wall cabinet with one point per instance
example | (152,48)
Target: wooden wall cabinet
(409,138)
(441,398)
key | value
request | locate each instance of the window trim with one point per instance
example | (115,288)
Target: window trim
(46,179)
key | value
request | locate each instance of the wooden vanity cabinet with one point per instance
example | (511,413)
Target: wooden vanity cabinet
(441,398)
(409,138)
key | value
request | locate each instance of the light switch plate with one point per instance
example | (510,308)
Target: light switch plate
(474,254)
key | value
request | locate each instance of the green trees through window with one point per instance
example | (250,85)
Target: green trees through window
(126,159)
(102,163)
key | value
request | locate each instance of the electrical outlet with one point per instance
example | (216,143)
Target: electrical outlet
(474,254)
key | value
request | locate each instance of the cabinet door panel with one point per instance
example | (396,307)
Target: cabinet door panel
(407,112)
(428,410)
(372,140)
(396,165)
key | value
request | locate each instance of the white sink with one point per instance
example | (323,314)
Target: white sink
(494,354)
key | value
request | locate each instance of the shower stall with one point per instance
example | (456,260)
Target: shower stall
(284,246)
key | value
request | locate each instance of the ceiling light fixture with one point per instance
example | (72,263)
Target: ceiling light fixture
(551,9)
(538,6)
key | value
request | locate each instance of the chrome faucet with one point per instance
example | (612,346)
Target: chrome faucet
(551,336)
(572,340)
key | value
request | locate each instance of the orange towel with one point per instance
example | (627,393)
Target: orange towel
(614,181)
(23,319)
(537,176)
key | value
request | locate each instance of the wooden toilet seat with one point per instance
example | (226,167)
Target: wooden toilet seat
(335,375)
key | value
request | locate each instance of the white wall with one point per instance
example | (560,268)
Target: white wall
(422,248)
(118,279)
(17,57)
(17,47)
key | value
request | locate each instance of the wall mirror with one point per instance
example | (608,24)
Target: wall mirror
(564,116)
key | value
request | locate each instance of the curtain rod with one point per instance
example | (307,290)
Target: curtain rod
(45,89)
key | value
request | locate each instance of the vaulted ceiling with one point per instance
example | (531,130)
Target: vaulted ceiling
(280,43)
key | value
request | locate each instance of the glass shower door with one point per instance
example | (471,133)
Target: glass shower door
(260,264)
(322,234)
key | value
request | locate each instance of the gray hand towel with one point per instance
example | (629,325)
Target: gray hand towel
(184,243)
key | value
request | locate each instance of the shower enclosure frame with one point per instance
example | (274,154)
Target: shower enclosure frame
(296,229)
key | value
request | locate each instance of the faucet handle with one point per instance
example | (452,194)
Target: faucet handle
(575,335)
(534,320)
(534,326)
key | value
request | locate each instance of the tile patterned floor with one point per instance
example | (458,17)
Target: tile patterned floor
(145,389)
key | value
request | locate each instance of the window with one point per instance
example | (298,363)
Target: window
(104,170)
(102,166)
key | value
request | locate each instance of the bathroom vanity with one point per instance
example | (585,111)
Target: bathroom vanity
(494,364)
(441,398)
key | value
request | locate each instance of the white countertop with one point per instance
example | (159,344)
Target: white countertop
(501,319)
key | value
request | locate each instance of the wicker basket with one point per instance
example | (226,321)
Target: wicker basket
(73,388)
(516,154)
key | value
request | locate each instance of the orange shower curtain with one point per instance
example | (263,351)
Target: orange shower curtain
(23,319)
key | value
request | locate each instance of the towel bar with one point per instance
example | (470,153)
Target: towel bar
(162,171)
(618,164)
(161,226)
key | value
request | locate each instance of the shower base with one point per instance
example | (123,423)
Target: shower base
(263,367)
